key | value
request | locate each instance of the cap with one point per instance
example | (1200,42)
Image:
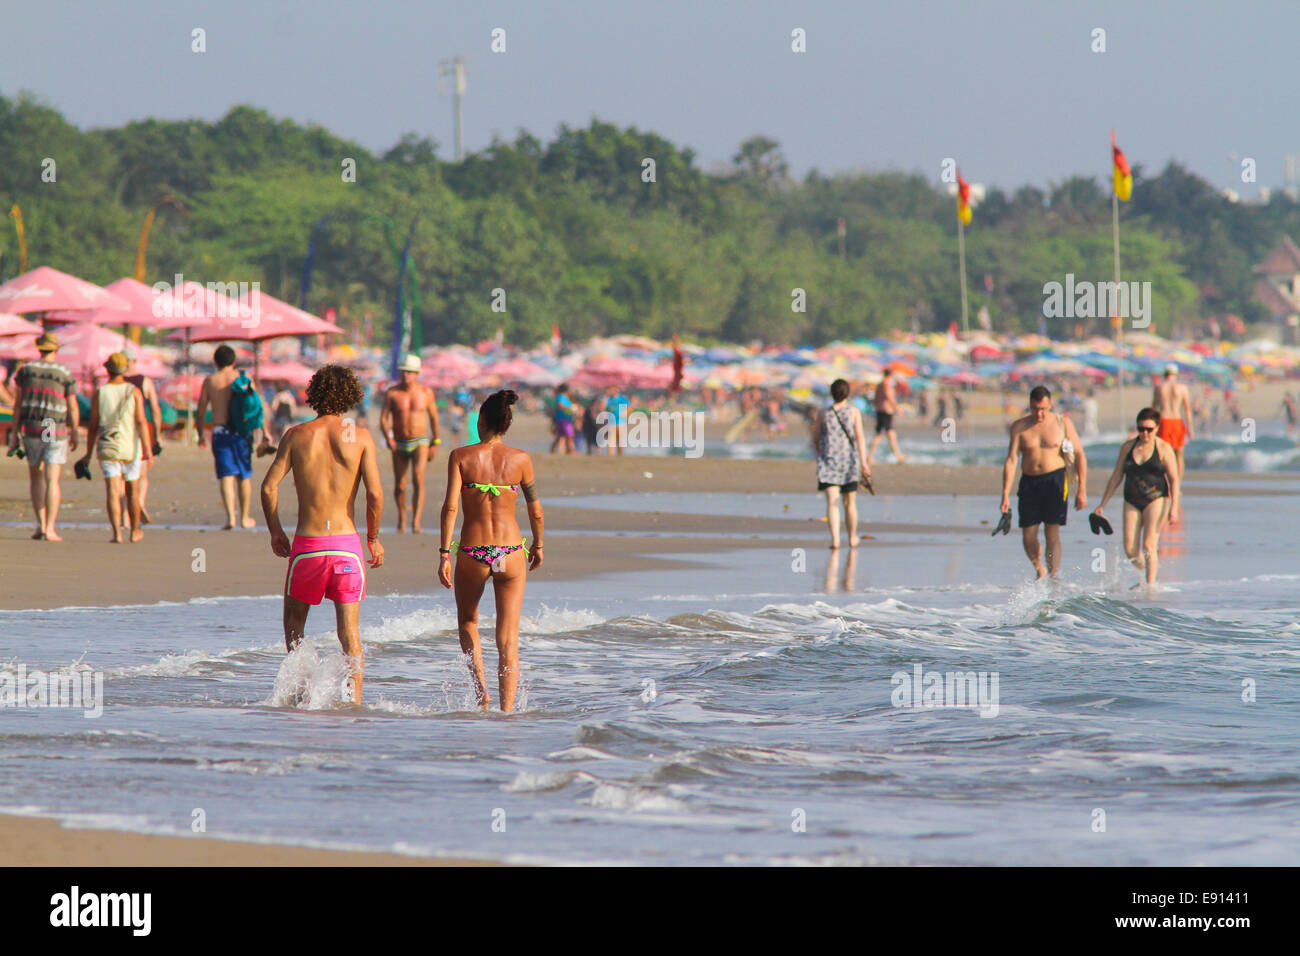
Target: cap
(116,363)
(1171,369)
(47,342)
(411,363)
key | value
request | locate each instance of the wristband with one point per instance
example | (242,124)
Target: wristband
(444,551)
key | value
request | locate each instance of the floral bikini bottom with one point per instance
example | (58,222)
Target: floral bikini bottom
(493,555)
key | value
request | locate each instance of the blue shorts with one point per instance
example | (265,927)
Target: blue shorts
(232,452)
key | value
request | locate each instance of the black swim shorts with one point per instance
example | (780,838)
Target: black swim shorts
(884,422)
(1044,499)
(845,488)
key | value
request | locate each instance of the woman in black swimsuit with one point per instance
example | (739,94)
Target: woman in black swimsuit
(1148,467)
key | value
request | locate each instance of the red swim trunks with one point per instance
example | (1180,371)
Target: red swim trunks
(329,566)
(1173,431)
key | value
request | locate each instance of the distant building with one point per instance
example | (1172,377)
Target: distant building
(1278,288)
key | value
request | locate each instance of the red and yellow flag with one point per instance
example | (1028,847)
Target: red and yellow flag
(1123,175)
(963,199)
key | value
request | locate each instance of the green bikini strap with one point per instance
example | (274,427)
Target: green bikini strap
(489,488)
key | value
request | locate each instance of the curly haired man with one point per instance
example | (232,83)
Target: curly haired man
(329,457)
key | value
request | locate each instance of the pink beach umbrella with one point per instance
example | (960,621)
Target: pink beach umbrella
(149,309)
(85,347)
(11,324)
(447,368)
(295,373)
(44,289)
(19,347)
(520,370)
(259,317)
(182,391)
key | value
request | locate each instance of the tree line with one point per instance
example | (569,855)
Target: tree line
(604,230)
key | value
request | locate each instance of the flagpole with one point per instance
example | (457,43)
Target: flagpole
(1119,320)
(961,259)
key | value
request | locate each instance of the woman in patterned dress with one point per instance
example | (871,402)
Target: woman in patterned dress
(841,461)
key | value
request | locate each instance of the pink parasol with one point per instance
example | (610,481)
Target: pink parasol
(44,289)
(520,370)
(85,347)
(182,391)
(18,347)
(447,368)
(190,306)
(261,316)
(295,373)
(16,325)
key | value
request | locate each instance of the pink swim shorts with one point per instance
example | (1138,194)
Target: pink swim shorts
(329,566)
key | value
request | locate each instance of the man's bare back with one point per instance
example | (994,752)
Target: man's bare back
(1170,399)
(328,459)
(216,391)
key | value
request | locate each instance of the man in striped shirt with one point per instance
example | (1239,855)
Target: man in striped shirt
(46,414)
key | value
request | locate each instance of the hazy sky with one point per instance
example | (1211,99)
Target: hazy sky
(1012,90)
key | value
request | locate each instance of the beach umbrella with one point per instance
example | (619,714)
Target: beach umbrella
(447,368)
(11,324)
(145,307)
(18,347)
(295,373)
(44,289)
(182,391)
(260,316)
(520,370)
(85,347)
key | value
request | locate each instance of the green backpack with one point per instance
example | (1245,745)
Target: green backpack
(245,406)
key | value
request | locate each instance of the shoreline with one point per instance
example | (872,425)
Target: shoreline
(197,560)
(47,841)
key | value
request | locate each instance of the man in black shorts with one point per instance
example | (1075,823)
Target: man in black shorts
(1046,441)
(886,402)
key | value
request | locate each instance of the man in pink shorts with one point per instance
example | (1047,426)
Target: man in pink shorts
(329,458)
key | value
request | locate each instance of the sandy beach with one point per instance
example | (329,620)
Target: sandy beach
(185,555)
(32,841)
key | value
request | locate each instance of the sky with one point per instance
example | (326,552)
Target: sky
(1012,90)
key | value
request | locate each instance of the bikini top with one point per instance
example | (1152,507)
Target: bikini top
(491,489)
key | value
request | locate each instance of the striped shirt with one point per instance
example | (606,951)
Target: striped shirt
(47,389)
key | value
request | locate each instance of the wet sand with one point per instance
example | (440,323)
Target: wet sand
(184,554)
(32,841)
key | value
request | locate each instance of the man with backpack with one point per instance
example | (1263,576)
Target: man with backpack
(238,415)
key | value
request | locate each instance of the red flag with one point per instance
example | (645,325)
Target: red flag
(963,199)
(1123,175)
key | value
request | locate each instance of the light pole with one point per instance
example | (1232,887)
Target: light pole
(456,68)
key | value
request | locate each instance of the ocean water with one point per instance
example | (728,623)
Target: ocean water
(1222,449)
(748,709)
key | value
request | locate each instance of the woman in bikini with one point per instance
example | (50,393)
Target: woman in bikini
(488,477)
(1148,467)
